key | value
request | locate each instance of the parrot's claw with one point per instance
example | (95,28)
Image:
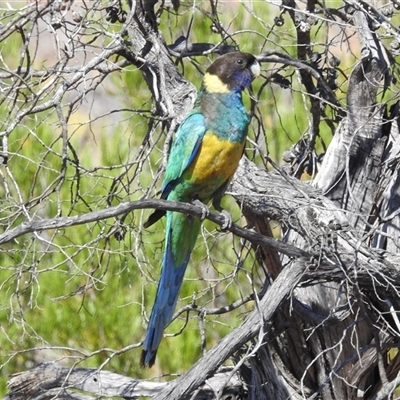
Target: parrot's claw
(205,211)
(228,220)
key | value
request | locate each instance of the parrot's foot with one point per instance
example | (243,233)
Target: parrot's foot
(228,220)
(205,211)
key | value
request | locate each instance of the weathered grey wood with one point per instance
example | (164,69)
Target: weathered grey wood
(307,213)
(320,360)
(351,167)
(320,329)
(173,95)
(129,206)
(53,381)
(254,325)
(302,206)
(387,234)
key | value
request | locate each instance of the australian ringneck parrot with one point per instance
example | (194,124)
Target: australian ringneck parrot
(204,156)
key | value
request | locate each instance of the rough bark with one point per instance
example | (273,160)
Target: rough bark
(305,210)
(50,381)
(324,326)
(334,331)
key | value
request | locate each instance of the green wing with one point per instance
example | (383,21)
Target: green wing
(184,150)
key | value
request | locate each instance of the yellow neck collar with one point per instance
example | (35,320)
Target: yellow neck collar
(214,85)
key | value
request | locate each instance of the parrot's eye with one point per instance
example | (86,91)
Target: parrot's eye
(240,61)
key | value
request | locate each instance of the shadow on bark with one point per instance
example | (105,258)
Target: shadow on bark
(326,321)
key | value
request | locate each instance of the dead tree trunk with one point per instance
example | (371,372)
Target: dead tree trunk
(331,340)
(324,341)
(327,320)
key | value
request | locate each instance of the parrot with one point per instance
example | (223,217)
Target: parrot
(203,158)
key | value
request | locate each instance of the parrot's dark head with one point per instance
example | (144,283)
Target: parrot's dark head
(231,72)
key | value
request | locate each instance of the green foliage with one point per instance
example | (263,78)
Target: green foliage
(66,294)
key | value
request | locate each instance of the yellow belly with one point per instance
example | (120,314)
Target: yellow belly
(215,164)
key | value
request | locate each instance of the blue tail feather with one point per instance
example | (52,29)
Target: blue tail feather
(181,235)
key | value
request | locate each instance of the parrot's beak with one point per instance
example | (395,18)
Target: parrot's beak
(255,69)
